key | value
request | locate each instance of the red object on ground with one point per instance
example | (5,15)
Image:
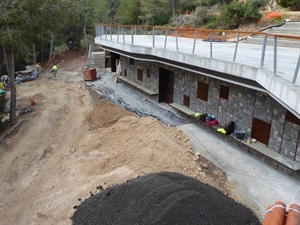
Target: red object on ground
(89,74)
(293,215)
(274,15)
(211,122)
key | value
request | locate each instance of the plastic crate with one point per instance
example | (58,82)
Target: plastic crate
(240,134)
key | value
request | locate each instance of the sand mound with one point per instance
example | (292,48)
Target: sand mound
(106,115)
(162,198)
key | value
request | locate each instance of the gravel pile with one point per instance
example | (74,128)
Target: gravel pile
(162,198)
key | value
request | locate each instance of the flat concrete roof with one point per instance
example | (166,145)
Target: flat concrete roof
(240,62)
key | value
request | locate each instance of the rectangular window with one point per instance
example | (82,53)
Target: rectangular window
(148,73)
(131,61)
(291,118)
(186,100)
(202,92)
(224,92)
(125,73)
(140,75)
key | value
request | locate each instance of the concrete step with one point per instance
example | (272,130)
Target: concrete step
(97,59)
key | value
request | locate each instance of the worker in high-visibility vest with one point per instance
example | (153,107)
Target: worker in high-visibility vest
(54,71)
(5,80)
(2,89)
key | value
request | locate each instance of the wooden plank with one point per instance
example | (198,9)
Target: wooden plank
(8,131)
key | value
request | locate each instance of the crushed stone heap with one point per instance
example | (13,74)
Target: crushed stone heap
(162,198)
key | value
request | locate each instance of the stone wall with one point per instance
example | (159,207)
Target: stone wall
(151,82)
(242,106)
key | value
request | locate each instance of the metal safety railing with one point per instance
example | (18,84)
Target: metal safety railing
(271,52)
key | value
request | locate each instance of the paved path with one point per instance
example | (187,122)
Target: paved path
(258,183)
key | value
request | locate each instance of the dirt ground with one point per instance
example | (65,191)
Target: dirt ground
(75,141)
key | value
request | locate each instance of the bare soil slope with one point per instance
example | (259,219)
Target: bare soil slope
(74,142)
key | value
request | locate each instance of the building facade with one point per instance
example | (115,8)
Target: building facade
(253,111)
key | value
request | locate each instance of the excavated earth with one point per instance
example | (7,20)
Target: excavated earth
(68,159)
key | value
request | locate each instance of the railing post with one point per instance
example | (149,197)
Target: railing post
(236,46)
(195,38)
(210,40)
(106,33)
(118,33)
(123,35)
(100,30)
(275,56)
(153,37)
(131,35)
(176,41)
(166,39)
(262,60)
(296,71)
(110,33)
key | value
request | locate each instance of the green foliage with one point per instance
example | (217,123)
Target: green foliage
(212,23)
(113,8)
(29,21)
(237,13)
(128,12)
(189,5)
(155,12)
(205,19)
(214,2)
(293,4)
(202,16)
(101,11)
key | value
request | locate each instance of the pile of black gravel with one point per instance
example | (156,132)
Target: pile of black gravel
(162,198)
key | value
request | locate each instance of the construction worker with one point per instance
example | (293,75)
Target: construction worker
(38,68)
(2,90)
(54,71)
(5,80)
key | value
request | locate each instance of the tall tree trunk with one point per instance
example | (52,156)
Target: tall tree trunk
(2,61)
(84,31)
(42,60)
(173,8)
(84,27)
(34,54)
(4,56)
(10,65)
(51,47)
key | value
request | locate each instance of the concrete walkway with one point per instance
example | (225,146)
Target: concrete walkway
(259,184)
